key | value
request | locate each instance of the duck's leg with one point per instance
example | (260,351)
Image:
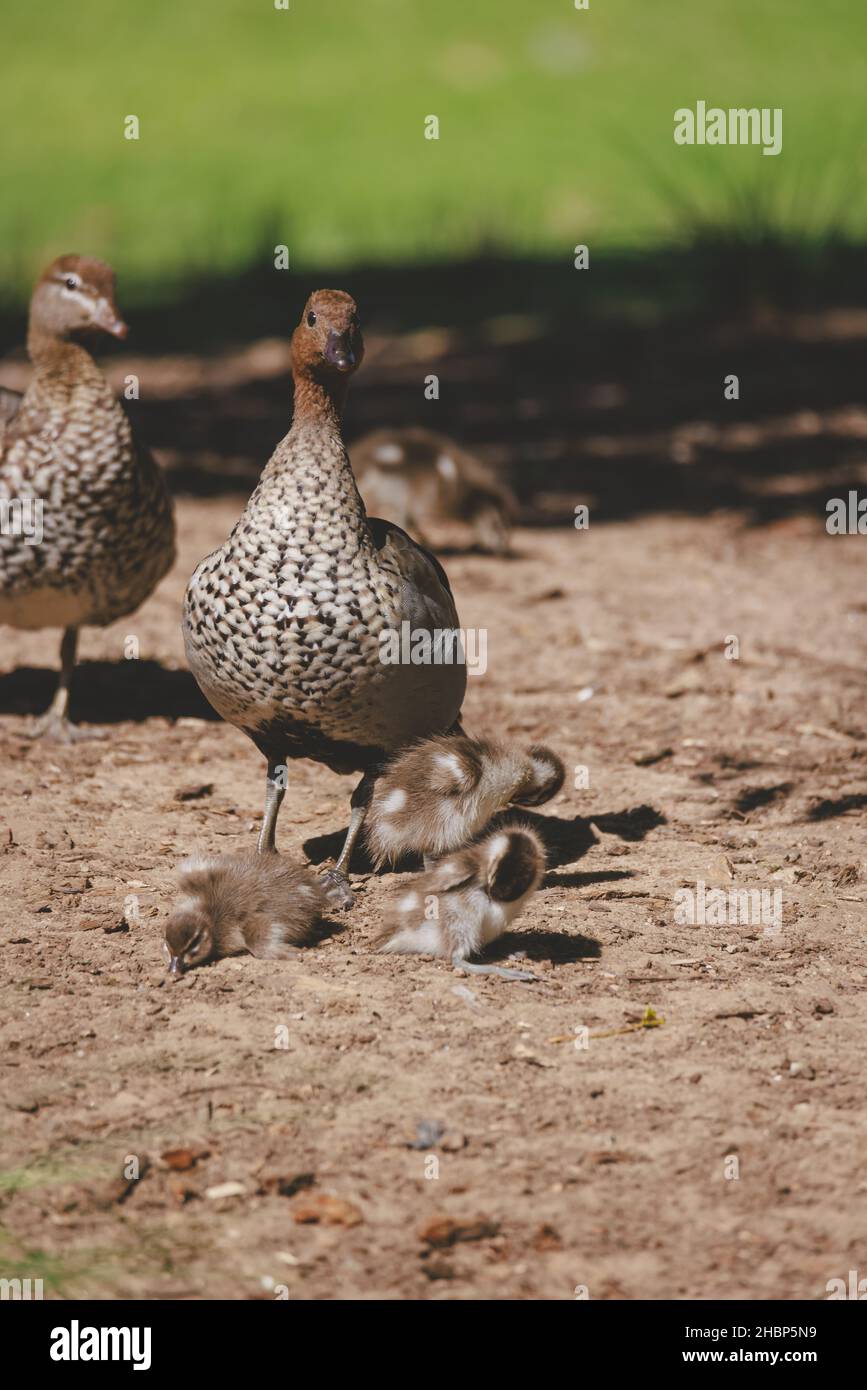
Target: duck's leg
(335,880)
(467,968)
(275,790)
(55,723)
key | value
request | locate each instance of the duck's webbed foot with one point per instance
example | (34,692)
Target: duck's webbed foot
(504,972)
(55,723)
(56,726)
(337,889)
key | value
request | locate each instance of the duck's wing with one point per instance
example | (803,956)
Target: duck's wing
(419,568)
(435,691)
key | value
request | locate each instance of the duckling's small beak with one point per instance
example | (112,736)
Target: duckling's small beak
(176,966)
(338,351)
(107,318)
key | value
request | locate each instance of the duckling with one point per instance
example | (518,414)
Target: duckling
(287,625)
(67,454)
(415,476)
(241,902)
(467,900)
(439,795)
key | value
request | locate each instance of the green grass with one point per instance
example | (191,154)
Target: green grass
(62,1276)
(305,126)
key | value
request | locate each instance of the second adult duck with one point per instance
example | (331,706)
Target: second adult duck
(283,623)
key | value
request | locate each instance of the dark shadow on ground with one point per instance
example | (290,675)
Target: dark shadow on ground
(579,880)
(604,387)
(319,849)
(827,810)
(108,692)
(324,928)
(632,824)
(752,798)
(562,947)
(565,840)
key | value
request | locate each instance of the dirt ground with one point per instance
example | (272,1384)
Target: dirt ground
(475,1150)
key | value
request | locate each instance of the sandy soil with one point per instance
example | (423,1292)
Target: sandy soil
(540,1166)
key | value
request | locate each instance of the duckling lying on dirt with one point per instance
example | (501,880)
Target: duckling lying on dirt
(416,477)
(441,793)
(241,902)
(467,900)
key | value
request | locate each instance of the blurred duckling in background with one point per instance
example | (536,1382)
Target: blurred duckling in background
(467,900)
(241,902)
(441,793)
(415,477)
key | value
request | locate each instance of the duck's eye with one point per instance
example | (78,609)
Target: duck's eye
(311,319)
(71,282)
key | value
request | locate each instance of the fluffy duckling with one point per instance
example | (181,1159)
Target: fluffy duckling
(69,462)
(467,900)
(241,902)
(284,623)
(415,476)
(442,793)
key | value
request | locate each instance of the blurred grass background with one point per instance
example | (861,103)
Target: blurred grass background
(305,127)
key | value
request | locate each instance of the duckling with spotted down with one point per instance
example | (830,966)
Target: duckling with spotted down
(443,792)
(285,624)
(466,900)
(100,529)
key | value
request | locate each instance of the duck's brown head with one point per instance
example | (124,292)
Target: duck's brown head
(76,296)
(328,341)
(188,940)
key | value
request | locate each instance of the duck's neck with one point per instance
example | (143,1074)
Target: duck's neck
(319,402)
(59,360)
(310,475)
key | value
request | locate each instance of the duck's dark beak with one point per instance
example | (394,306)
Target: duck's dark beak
(107,318)
(176,966)
(338,351)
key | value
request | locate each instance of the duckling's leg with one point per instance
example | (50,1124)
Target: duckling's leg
(335,880)
(502,970)
(54,723)
(275,790)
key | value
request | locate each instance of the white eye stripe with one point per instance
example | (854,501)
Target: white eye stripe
(84,300)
